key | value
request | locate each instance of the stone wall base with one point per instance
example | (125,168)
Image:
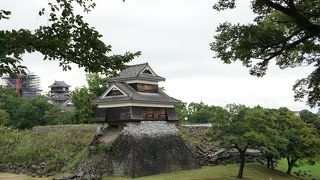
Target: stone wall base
(134,157)
(141,149)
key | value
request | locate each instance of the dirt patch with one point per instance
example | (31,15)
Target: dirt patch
(108,135)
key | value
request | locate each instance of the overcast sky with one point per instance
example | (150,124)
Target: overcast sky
(174,37)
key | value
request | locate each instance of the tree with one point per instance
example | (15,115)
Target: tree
(202,113)
(54,116)
(84,110)
(311,118)
(245,128)
(182,111)
(199,113)
(285,30)
(218,114)
(303,139)
(97,83)
(275,141)
(23,113)
(41,105)
(66,38)
(82,97)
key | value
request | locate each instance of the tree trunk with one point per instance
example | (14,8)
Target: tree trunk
(272,164)
(242,162)
(269,162)
(291,162)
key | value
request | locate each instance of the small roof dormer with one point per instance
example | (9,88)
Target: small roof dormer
(139,72)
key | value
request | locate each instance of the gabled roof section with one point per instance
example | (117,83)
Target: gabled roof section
(138,71)
(114,87)
(134,96)
(59,84)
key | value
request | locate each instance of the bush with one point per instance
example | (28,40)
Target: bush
(4,118)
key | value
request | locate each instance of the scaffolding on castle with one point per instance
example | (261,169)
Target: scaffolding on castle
(26,85)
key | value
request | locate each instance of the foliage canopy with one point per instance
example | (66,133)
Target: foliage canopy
(67,38)
(285,30)
(303,139)
(248,128)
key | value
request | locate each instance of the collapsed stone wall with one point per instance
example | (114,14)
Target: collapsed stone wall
(209,152)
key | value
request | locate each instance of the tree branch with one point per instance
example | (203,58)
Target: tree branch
(289,46)
(287,38)
(299,19)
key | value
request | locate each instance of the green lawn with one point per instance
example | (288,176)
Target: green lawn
(314,170)
(251,172)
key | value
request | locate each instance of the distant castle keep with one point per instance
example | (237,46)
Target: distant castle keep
(134,95)
(60,94)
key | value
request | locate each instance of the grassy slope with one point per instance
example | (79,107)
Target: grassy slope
(251,172)
(57,146)
(313,170)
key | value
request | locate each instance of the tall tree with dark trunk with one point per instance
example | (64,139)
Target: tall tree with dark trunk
(303,139)
(275,141)
(287,31)
(245,128)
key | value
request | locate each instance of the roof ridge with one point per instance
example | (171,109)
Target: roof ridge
(138,64)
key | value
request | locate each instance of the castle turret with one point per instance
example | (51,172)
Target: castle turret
(59,92)
(134,95)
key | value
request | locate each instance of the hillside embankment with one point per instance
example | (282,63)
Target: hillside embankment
(152,148)
(44,151)
(122,151)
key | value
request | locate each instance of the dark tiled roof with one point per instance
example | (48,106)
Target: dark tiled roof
(133,95)
(134,72)
(59,84)
(131,71)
